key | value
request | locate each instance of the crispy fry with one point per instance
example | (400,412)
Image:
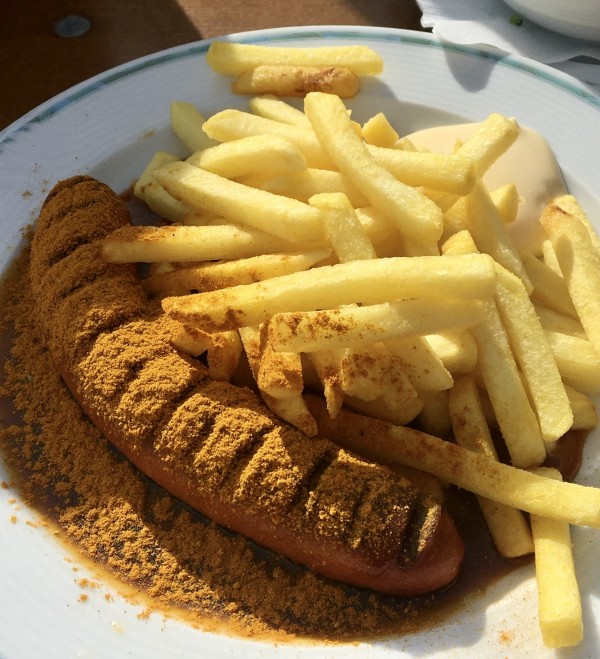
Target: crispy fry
(379,132)
(132,244)
(223,354)
(343,228)
(506,200)
(456,350)
(187,122)
(472,471)
(212,276)
(287,80)
(508,527)
(490,140)
(327,366)
(258,153)
(559,601)
(585,416)
(287,218)
(234,58)
(579,262)
(577,361)
(549,288)
(416,216)
(367,282)
(420,363)
(271,107)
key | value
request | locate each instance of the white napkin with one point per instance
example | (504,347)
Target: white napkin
(488,22)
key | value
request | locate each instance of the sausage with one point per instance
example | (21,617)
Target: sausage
(211,444)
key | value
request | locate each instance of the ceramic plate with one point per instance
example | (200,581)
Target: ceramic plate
(108,126)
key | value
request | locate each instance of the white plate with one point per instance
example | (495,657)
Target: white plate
(109,126)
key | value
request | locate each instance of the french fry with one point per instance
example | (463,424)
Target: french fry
(343,228)
(233,124)
(559,601)
(387,408)
(490,236)
(212,276)
(286,218)
(558,322)
(234,58)
(288,80)
(434,418)
(272,107)
(437,171)
(456,350)
(579,262)
(349,325)
(191,340)
(292,409)
(585,416)
(506,200)
(472,471)
(549,288)
(534,356)
(280,373)
(420,363)
(327,366)
(263,153)
(163,204)
(223,354)
(382,232)
(416,216)
(379,132)
(549,257)
(569,204)
(577,361)
(305,184)
(509,529)
(159,158)
(132,244)
(187,122)
(366,282)
(516,418)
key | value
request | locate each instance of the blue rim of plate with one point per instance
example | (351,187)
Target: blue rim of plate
(94,84)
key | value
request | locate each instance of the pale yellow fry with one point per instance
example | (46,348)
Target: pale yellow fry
(383,234)
(516,418)
(292,409)
(280,373)
(534,356)
(212,276)
(558,322)
(272,107)
(264,154)
(459,243)
(234,124)
(423,367)
(456,350)
(132,244)
(296,81)
(509,529)
(437,171)
(471,276)
(489,141)
(387,408)
(416,215)
(434,418)
(327,366)
(158,159)
(191,340)
(580,264)
(577,361)
(470,470)
(585,416)
(549,257)
(549,288)
(280,216)
(224,354)
(570,204)
(343,228)
(306,331)
(506,200)
(233,58)
(490,235)
(559,601)
(186,123)
(163,204)
(378,131)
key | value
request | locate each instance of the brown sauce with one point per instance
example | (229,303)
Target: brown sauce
(178,558)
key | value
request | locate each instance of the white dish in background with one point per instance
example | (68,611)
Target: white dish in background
(576,18)
(108,127)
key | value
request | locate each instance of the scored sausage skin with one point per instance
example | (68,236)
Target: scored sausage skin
(213,445)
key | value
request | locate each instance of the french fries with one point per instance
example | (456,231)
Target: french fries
(346,259)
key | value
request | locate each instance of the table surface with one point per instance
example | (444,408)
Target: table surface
(37,63)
